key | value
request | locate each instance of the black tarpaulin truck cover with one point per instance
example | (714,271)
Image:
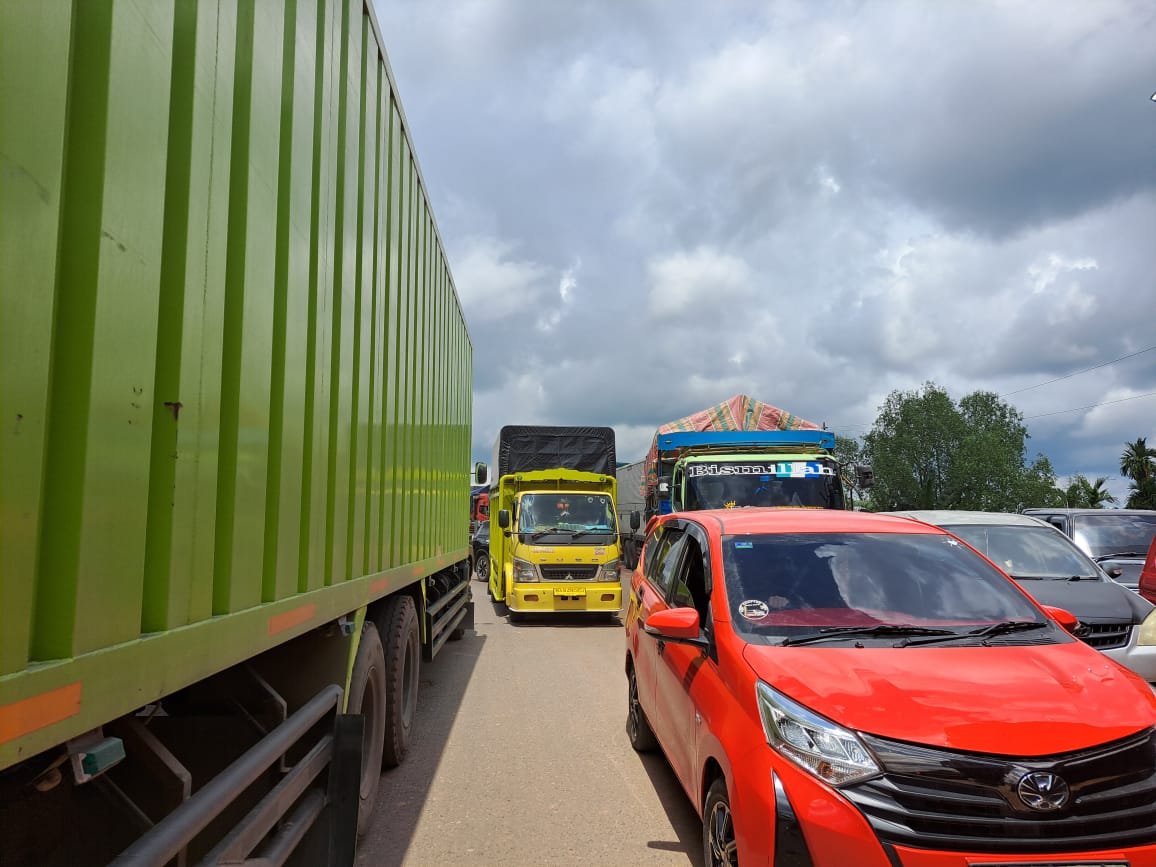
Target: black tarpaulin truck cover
(525,448)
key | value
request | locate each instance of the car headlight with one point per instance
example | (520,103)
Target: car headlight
(830,752)
(524,571)
(610,571)
(1147,633)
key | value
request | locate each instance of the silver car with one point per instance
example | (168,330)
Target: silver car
(1049,566)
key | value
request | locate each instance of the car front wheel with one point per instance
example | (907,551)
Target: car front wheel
(718,828)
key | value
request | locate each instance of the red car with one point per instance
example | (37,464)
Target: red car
(841,689)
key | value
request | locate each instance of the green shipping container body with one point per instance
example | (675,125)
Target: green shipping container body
(235,378)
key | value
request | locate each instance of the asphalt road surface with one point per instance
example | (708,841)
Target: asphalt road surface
(520,757)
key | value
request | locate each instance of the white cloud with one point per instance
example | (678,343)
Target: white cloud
(491,284)
(683,282)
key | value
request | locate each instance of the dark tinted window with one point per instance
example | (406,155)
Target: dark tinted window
(782,584)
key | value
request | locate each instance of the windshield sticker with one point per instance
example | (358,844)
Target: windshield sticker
(779,469)
(744,544)
(753,609)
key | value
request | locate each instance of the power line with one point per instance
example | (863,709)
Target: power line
(1090,406)
(1077,373)
(837,428)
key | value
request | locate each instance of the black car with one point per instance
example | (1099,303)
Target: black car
(1117,539)
(480,552)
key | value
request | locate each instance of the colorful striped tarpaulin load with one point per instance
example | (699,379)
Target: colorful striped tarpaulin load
(738,413)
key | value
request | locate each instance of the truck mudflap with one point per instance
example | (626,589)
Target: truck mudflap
(309,817)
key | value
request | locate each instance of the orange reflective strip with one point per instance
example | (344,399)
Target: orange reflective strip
(292,617)
(29,714)
(379,585)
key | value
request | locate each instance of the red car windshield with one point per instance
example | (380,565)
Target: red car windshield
(780,585)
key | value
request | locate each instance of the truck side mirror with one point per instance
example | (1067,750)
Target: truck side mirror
(664,485)
(504,518)
(864,477)
(481,473)
(635,520)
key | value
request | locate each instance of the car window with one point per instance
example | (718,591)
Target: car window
(668,570)
(1027,552)
(657,547)
(1101,535)
(689,589)
(779,584)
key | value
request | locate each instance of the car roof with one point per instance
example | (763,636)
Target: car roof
(956,517)
(1066,511)
(749,520)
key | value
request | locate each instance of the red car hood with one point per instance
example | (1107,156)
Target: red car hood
(1024,701)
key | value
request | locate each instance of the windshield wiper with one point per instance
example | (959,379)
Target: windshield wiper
(1054,578)
(1104,557)
(847,631)
(538,534)
(1001,628)
(589,530)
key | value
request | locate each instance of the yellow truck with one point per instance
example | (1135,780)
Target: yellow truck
(553,522)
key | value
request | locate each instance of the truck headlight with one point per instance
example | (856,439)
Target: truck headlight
(524,571)
(1147,633)
(830,752)
(610,571)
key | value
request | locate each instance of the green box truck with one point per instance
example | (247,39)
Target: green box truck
(235,402)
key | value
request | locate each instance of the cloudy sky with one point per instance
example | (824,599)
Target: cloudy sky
(652,205)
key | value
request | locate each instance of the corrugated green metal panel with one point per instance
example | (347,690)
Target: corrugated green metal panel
(233,368)
(34,39)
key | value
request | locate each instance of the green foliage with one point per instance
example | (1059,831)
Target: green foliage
(1138,462)
(1143,493)
(849,453)
(929,453)
(1082,494)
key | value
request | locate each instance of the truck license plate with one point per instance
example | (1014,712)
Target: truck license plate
(569,591)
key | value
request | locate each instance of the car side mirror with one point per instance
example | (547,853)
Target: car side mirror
(1114,572)
(635,520)
(504,518)
(678,626)
(1062,616)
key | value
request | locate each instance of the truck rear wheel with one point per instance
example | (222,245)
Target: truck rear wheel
(367,697)
(402,676)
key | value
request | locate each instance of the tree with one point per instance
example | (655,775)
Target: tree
(1143,494)
(849,454)
(929,453)
(1138,461)
(1082,494)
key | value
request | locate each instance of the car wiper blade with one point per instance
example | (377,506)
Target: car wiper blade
(832,632)
(1054,577)
(992,629)
(1104,557)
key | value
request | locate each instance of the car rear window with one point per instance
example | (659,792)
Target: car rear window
(782,584)
(1102,535)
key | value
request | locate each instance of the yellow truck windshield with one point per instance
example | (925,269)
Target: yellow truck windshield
(581,514)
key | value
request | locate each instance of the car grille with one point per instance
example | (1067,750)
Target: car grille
(569,573)
(954,801)
(1105,636)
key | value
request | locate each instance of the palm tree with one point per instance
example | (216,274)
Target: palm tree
(1138,461)
(1098,495)
(1082,494)
(1143,494)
